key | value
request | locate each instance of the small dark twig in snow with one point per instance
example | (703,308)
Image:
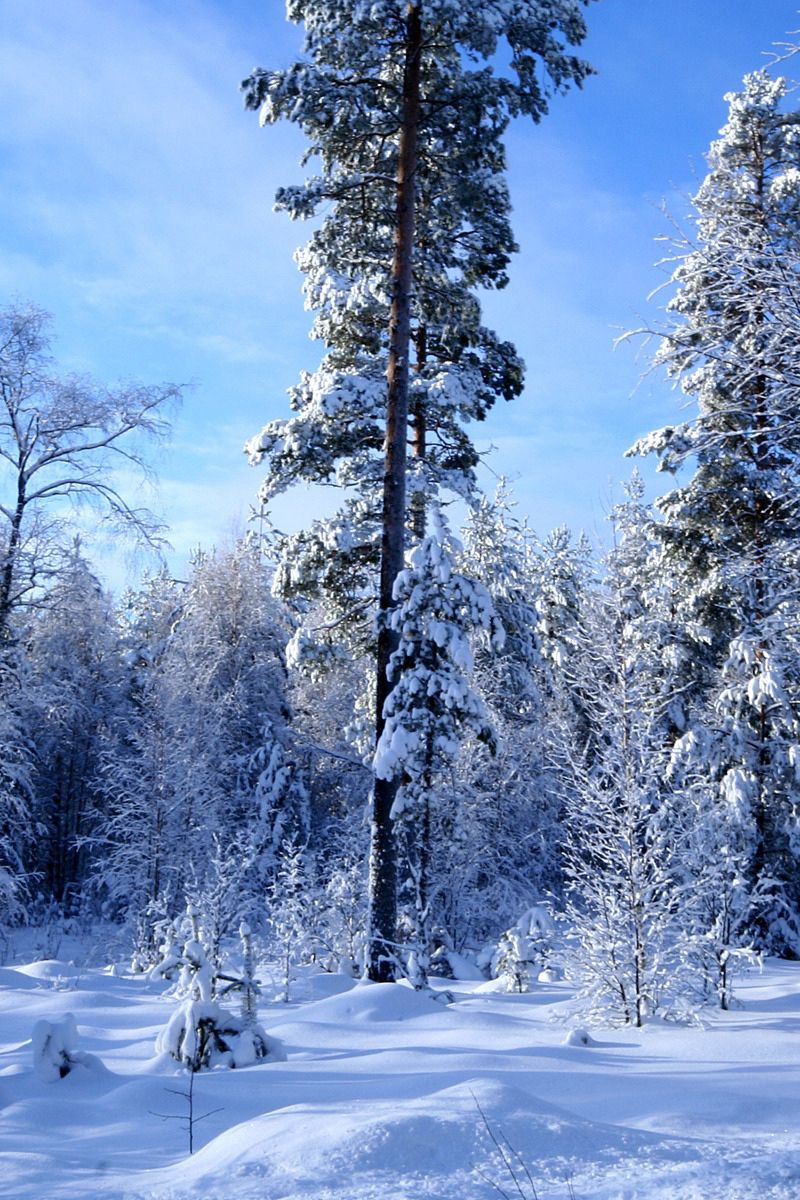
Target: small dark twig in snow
(190,1119)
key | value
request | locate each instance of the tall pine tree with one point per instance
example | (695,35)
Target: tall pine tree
(404,105)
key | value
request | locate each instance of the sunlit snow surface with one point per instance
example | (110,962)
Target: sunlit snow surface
(383,1093)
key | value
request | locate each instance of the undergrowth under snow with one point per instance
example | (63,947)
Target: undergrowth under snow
(388,1093)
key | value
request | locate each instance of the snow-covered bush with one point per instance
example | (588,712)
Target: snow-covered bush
(201,1033)
(289,912)
(154,936)
(187,966)
(342,931)
(523,951)
(55,1049)
(169,961)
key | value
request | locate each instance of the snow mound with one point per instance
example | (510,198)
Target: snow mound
(491,986)
(368,1002)
(375,1103)
(442,1144)
(56,1053)
(11,978)
(325,984)
(578,1037)
(50,968)
(463,967)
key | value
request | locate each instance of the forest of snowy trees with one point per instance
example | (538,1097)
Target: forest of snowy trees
(388,745)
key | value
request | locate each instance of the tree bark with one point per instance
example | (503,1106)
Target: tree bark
(381,965)
(418,440)
(10,559)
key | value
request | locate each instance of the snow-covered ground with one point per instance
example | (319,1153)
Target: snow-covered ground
(387,1093)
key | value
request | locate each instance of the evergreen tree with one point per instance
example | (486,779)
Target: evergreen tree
(201,1033)
(290,911)
(731,531)
(405,108)
(498,845)
(432,703)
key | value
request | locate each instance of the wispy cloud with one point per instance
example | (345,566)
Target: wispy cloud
(129,166)
(135,204)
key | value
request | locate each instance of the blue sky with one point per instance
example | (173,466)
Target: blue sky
(136,207)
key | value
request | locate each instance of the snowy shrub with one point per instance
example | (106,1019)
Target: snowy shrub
(202,1034)
(290,905)
(342,932)
(578,1037)
(447,963)
(55,1049)
(154,936)
(248,984)
(169,961)
(188,966)
(523,951)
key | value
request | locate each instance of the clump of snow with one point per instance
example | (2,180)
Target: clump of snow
(462,967)
(579,1037)
(550,975)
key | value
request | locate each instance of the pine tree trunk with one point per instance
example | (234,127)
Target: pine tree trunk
(383,867)
(760,865)
(419,438)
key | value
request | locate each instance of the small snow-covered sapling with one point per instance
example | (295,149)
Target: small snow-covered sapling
(55,1049)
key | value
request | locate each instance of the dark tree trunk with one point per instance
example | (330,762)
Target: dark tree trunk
(381,965)
(759,536)
(10,560)
(418,440)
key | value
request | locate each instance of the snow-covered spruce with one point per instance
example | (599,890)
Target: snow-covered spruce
(432,704)
(201,1033)
(730,531)
(290,919)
